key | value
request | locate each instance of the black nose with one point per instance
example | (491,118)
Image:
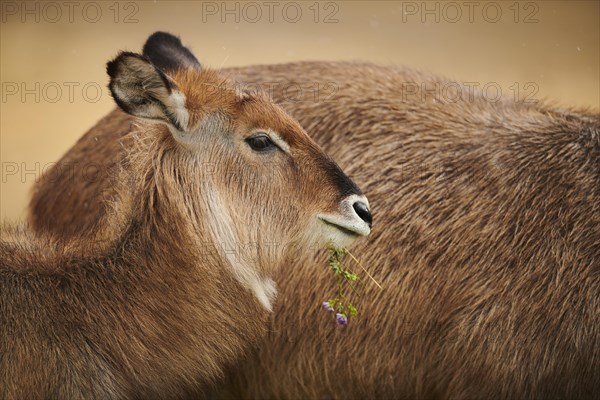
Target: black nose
(363,212)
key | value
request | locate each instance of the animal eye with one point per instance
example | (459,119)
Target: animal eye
(260,143)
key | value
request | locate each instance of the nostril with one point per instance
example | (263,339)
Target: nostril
(363,212)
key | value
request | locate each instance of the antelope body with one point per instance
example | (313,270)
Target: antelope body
(152,303)
(490,260)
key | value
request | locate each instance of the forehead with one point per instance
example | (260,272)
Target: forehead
(205,91)
(208,92)
(259,112)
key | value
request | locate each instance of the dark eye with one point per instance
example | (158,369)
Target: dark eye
(260,143)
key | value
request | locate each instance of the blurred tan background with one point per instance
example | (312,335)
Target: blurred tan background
(53,55)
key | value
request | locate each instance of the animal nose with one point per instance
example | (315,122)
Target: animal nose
(363,212)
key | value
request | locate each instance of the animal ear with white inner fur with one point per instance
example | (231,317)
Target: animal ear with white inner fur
(144,91)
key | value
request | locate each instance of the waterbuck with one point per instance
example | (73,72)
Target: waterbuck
(162,294)
(490,259)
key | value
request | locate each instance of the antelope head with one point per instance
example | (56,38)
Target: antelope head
(252,180)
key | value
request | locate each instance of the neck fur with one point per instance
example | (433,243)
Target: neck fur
(150,190)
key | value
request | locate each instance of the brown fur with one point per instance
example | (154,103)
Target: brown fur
(488,246)
(140,301)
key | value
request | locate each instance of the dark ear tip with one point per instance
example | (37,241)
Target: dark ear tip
(111,68)
(168,53)
(113,65)
(161,37)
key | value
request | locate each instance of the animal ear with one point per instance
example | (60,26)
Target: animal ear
(144,91)
(167,53)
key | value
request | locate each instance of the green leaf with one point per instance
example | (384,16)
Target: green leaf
(353,310)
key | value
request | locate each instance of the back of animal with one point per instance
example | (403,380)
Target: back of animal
(487,243)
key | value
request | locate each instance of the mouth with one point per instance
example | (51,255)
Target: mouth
(350,228)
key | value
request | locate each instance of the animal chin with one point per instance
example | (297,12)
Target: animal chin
(344,229)
(353,230)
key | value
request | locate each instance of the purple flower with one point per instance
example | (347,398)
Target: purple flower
(342,320)
(326,306)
